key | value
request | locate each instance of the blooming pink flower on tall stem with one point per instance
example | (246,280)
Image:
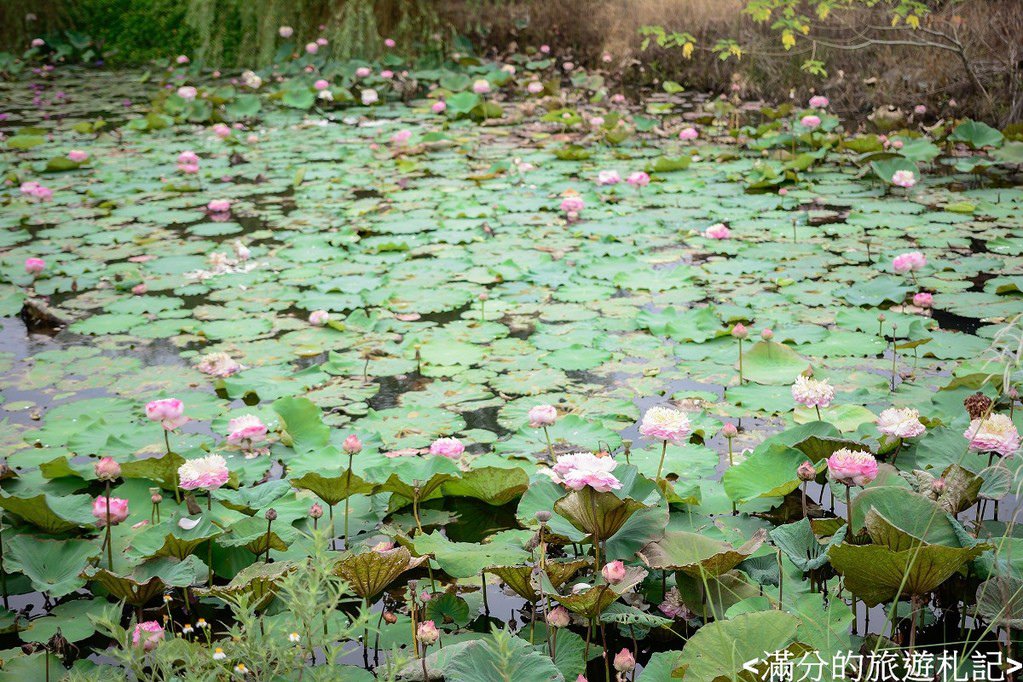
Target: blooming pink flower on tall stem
(34,266)
(667,425)
(818,102)
(638,179)
(187,92)
(401,137)
(363,72)
(904,178)
(613,572)
(247,432)
(113,513)
(481,86)
(439,107)
(810,121)
(923,299)
(813,393)
(219,206)
(851,468)
(995,434)
(203,473)
(168,411)
(910,262)
(578,470)
(608,177)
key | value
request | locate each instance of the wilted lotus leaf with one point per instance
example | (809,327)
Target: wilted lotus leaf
(696,554)
(170,539)
(594,600)
(335,488)
(368,573)
(601,515)
(150,578)
(258,581)
(802,547)
(521,578)
(876,574)
(50,513)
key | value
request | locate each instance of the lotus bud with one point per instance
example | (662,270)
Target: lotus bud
(739,331)
(352,445)
(558,617)
(806,471)
(543,516)
(624,661)
(271,515)
(613,572)
(315,511)
(107,469)
(767,335)
(427,632)
(390,618)
(425,596)
(483,296)
(156,498)
(881,317)
(938,485)
(729,430)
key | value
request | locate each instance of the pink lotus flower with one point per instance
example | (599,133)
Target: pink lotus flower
(427,632)
(321,84)
(542,415)
(545,49)
(34,266)
(219,205)
(107,469)
(534,87)
(904,178)
(717,231)
(187,92)
(909,262)
(638,179)
(672,606)
(810,121)
(312,48)
(322,42)
(363,72)
(352,445)
(218,365)
(182,59)
(852,468)
(923,300)
(139,289)
(246,431)
(205,473)
(608,177)
(688,133)
(739,331)
(389,42)
(447,447)
(997,433)
(147,633)
(188,168)
(581,469)
(624,661)
(439,106)
(568,66)
(667,424)
(812,392)
(900,423)
(818,102)
(118,510)
(78,156)
(188,157)
(222,130)
(369,96)
(481,86)
(617,98)
(168,411)
(38,42)
(401,137)
(919,110)
(558,617)
(285,31)
(36,191)
(573,204)
(318,318)
(613,572)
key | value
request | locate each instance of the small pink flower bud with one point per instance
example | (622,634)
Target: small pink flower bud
(107,469)
(767,335)
(315,511)
(613,572)
(558,617)
(806,471)
(352,445)
(739,331)
(729,430)
(624,661)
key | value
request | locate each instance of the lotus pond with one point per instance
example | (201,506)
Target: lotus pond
(538,384)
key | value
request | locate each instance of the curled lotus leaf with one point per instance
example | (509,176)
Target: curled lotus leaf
(600,515)
(876,574)
(369,573)
(802,547)
(698,555)
(333,489)
(257,581)
(1000,601)
(495,486)
(170,539)
(523,579)
(149,579)
(52,514)
(595,600)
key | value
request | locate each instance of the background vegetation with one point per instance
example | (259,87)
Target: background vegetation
(867,62)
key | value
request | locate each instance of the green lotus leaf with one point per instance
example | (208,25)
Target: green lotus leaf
(251,533)
(1000,601)
(53,566)
(404,475)
(369,573)
(335,488)
(522,578)
(599,515)
(493,485)
(302,420)
(698,555)
(50,513)
(918,517)
(768,472)
(149,579)
(499,658)
(257,581)
(977,134)
(801,546)
(723,648)
(593,601)
(877,574)
(171,540)
(467,559)
(768,362)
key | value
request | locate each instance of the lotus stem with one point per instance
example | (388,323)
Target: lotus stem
(804,499)
(818,408)
(740,362)
(606,655)
(348,495)
(109,539)
(333,529)
(589,630)
(627,449)
(848,507)
(550,448)
(664,451)
(3,571)
(415,509)
(781,583)
(914,607)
